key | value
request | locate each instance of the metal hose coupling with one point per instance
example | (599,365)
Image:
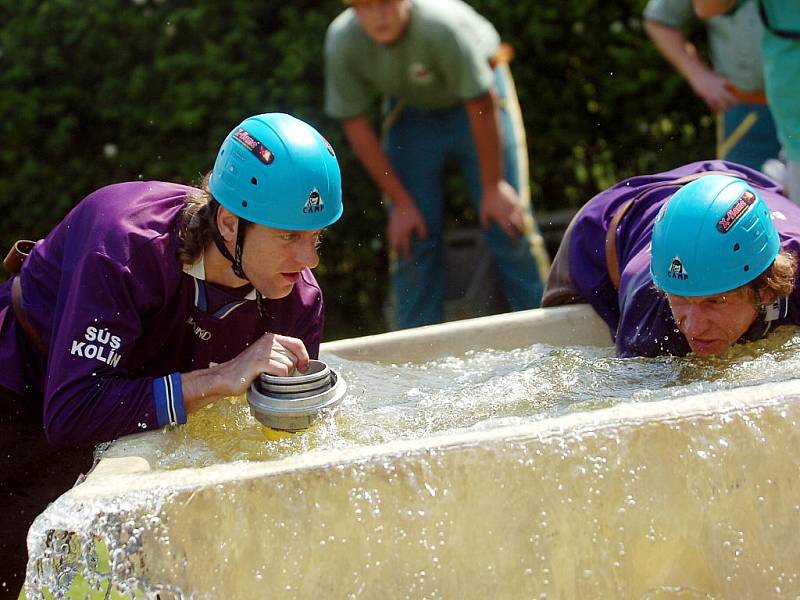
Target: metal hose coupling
(293,403)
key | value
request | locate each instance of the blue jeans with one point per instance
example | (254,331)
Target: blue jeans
(420,144)
(747,135)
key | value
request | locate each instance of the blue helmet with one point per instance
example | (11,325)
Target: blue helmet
(714,235)
(278,171)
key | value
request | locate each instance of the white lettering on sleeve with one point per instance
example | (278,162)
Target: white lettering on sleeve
(103,351)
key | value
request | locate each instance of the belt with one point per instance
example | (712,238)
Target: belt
(17,255)
(22,316)
(748,97)
(612,258)
(13,263)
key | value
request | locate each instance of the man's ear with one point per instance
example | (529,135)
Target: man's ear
(226,224)
(765,296)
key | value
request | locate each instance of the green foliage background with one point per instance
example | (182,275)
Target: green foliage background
(111,90)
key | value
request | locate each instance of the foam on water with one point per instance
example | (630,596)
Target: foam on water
(700,504)
(478,391)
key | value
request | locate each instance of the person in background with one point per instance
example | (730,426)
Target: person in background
(449,97)
(733,88)
(780,51)
(151,300)
(695,259)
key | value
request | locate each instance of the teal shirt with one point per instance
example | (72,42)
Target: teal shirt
(782,72)
(734,40)
(441,61)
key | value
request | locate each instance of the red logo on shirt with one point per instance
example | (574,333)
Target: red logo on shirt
(419,73)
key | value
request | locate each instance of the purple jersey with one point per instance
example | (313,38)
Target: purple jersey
(122,317)
(639,317)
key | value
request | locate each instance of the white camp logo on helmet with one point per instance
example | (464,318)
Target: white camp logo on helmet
(314,204)
(676,269)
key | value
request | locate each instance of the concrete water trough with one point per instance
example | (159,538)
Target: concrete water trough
(691,497)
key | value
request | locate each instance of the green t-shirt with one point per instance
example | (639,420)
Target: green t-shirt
(734,40)
(441,60)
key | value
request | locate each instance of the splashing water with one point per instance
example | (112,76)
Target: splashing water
(669,508)
(481,390)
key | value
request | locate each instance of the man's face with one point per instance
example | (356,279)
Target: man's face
(712,324)
(384,21)
(274,258)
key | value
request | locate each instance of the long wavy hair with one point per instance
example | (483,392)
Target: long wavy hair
(197,223)
(779,279)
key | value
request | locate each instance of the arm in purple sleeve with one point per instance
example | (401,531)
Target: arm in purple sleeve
(89,394)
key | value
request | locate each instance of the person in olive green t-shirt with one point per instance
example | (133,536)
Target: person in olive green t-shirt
(449,98)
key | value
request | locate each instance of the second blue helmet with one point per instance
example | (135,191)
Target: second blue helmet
(714,235)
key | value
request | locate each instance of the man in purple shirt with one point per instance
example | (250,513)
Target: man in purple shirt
(691,260)
(151,300)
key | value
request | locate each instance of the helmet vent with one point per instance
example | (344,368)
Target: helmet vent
(746,268)
(244,203)
(736,247)
(254,181)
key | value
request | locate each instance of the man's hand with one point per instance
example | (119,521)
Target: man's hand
(404,222)
(272,353)
(715,90)
(502,205)
(706,9)
(405,219)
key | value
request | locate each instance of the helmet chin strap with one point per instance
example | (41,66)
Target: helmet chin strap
(767,315)
(236,259)
(237,268)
